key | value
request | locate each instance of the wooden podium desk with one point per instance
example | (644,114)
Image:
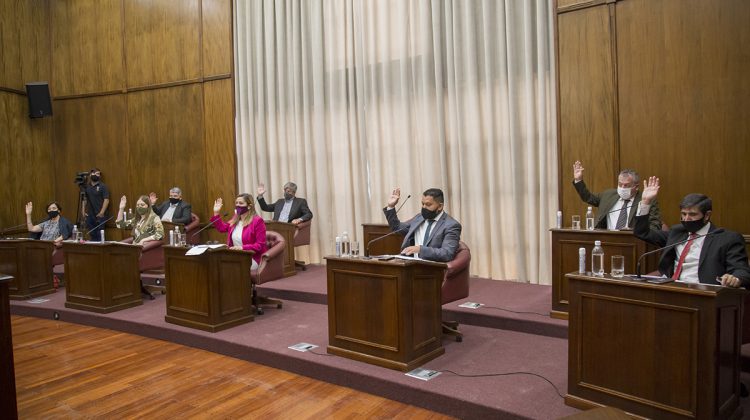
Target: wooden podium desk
(386,246)
(29,262)
(286,230)
(210,291)
(102,277)
(386,313)
(8,407)
(669,351)
(565,244)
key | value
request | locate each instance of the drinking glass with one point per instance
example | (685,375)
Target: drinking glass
(182,239)
(576,222)
(79,236)
(618,266)
(355,249)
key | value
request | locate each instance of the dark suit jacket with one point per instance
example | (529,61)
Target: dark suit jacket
(721,253)
(608,198)
(299,209)
(442,244)
(182,214)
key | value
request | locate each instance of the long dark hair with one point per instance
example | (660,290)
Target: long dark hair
(148,214)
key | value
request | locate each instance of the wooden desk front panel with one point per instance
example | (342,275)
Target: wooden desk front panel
(287,230)
(655,351)
(8,406)
(30,264)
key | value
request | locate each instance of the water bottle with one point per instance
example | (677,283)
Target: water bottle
(559,220)
(589,219)
(345,251)
(171,237)
(74,235)
(338,246)
(101,232)
(130,216)
(581,260)
(597,259)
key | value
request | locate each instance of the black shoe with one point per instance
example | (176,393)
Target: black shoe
(743,391)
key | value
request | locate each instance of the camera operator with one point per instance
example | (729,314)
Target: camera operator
(97,203)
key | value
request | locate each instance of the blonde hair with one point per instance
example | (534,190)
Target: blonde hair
(250,208)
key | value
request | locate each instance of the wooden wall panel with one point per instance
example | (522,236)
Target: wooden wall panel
(217,37)
(219,146)
(587,104)
(162,41)
(684,91)
(87,46)
(27,164)
(165,130)
(24,43)
(91,132)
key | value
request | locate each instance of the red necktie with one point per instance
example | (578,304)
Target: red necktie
(683,254)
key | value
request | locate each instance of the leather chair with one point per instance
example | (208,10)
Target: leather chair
(456,285)
(271,268)
(192,227)
(301,238)
(152,258)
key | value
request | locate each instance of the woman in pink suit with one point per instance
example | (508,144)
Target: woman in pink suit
(251,236)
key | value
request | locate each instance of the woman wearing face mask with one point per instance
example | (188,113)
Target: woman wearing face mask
(251,235)
(146,226)
(55,228)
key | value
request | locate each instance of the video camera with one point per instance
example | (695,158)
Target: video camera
(81,178)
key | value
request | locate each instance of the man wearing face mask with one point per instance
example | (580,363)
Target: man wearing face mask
(431,235)
(617,207)
(97,204)
(176,210)
(290,209)
(715,258)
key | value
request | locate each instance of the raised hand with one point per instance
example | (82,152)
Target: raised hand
(123,202)
(650,189)
(152,198)
(395,196)
(578,170)
(261,189)
(29,208)
(217,205)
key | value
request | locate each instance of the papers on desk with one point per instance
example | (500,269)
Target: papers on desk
(199,249)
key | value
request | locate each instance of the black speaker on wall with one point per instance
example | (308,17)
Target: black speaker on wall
(40,104)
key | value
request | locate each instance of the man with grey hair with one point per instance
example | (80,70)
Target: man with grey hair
(617,207)
(290,209)
(175,210)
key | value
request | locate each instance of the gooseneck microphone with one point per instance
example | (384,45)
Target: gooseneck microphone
(99,225)
(207,225)
(638,264)
(367,248)
(404,202)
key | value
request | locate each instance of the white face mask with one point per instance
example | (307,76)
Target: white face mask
(625,193)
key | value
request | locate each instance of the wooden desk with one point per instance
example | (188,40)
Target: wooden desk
(565,244)
(8,407)
(29,263)
(387,313)
(286,230)
(386,246)
(209,292)
(666,351)
(102,277)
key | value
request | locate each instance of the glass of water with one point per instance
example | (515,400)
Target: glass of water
(618,266)
(576,222)
(355,249)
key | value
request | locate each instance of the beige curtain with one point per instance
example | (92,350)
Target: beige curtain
(351,98)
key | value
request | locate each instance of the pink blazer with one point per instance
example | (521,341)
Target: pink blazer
(253,235)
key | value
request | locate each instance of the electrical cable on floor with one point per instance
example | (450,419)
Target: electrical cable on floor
(517,312)
(481,375)
(320,354)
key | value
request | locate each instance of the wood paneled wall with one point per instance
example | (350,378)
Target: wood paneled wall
(660,86)
(141,89)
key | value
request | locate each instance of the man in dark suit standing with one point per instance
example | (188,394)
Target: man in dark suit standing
(616,206)
(290,209)
(176,210)
(714,258)
(431,235)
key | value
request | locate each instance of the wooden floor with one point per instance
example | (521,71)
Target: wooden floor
(66,370)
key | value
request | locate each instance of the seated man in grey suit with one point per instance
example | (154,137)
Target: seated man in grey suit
(431,235)
(175,210)
(714,258)
(290,209)
(616,206)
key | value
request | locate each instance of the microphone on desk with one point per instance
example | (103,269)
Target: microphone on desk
(404,202)
(638,264)
(95,228)
(367,248)
(207,225)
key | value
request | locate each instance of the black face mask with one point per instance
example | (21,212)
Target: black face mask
(53,213)
(429,214)
(174,200)
(95,178)
(693,226)
(288,196)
